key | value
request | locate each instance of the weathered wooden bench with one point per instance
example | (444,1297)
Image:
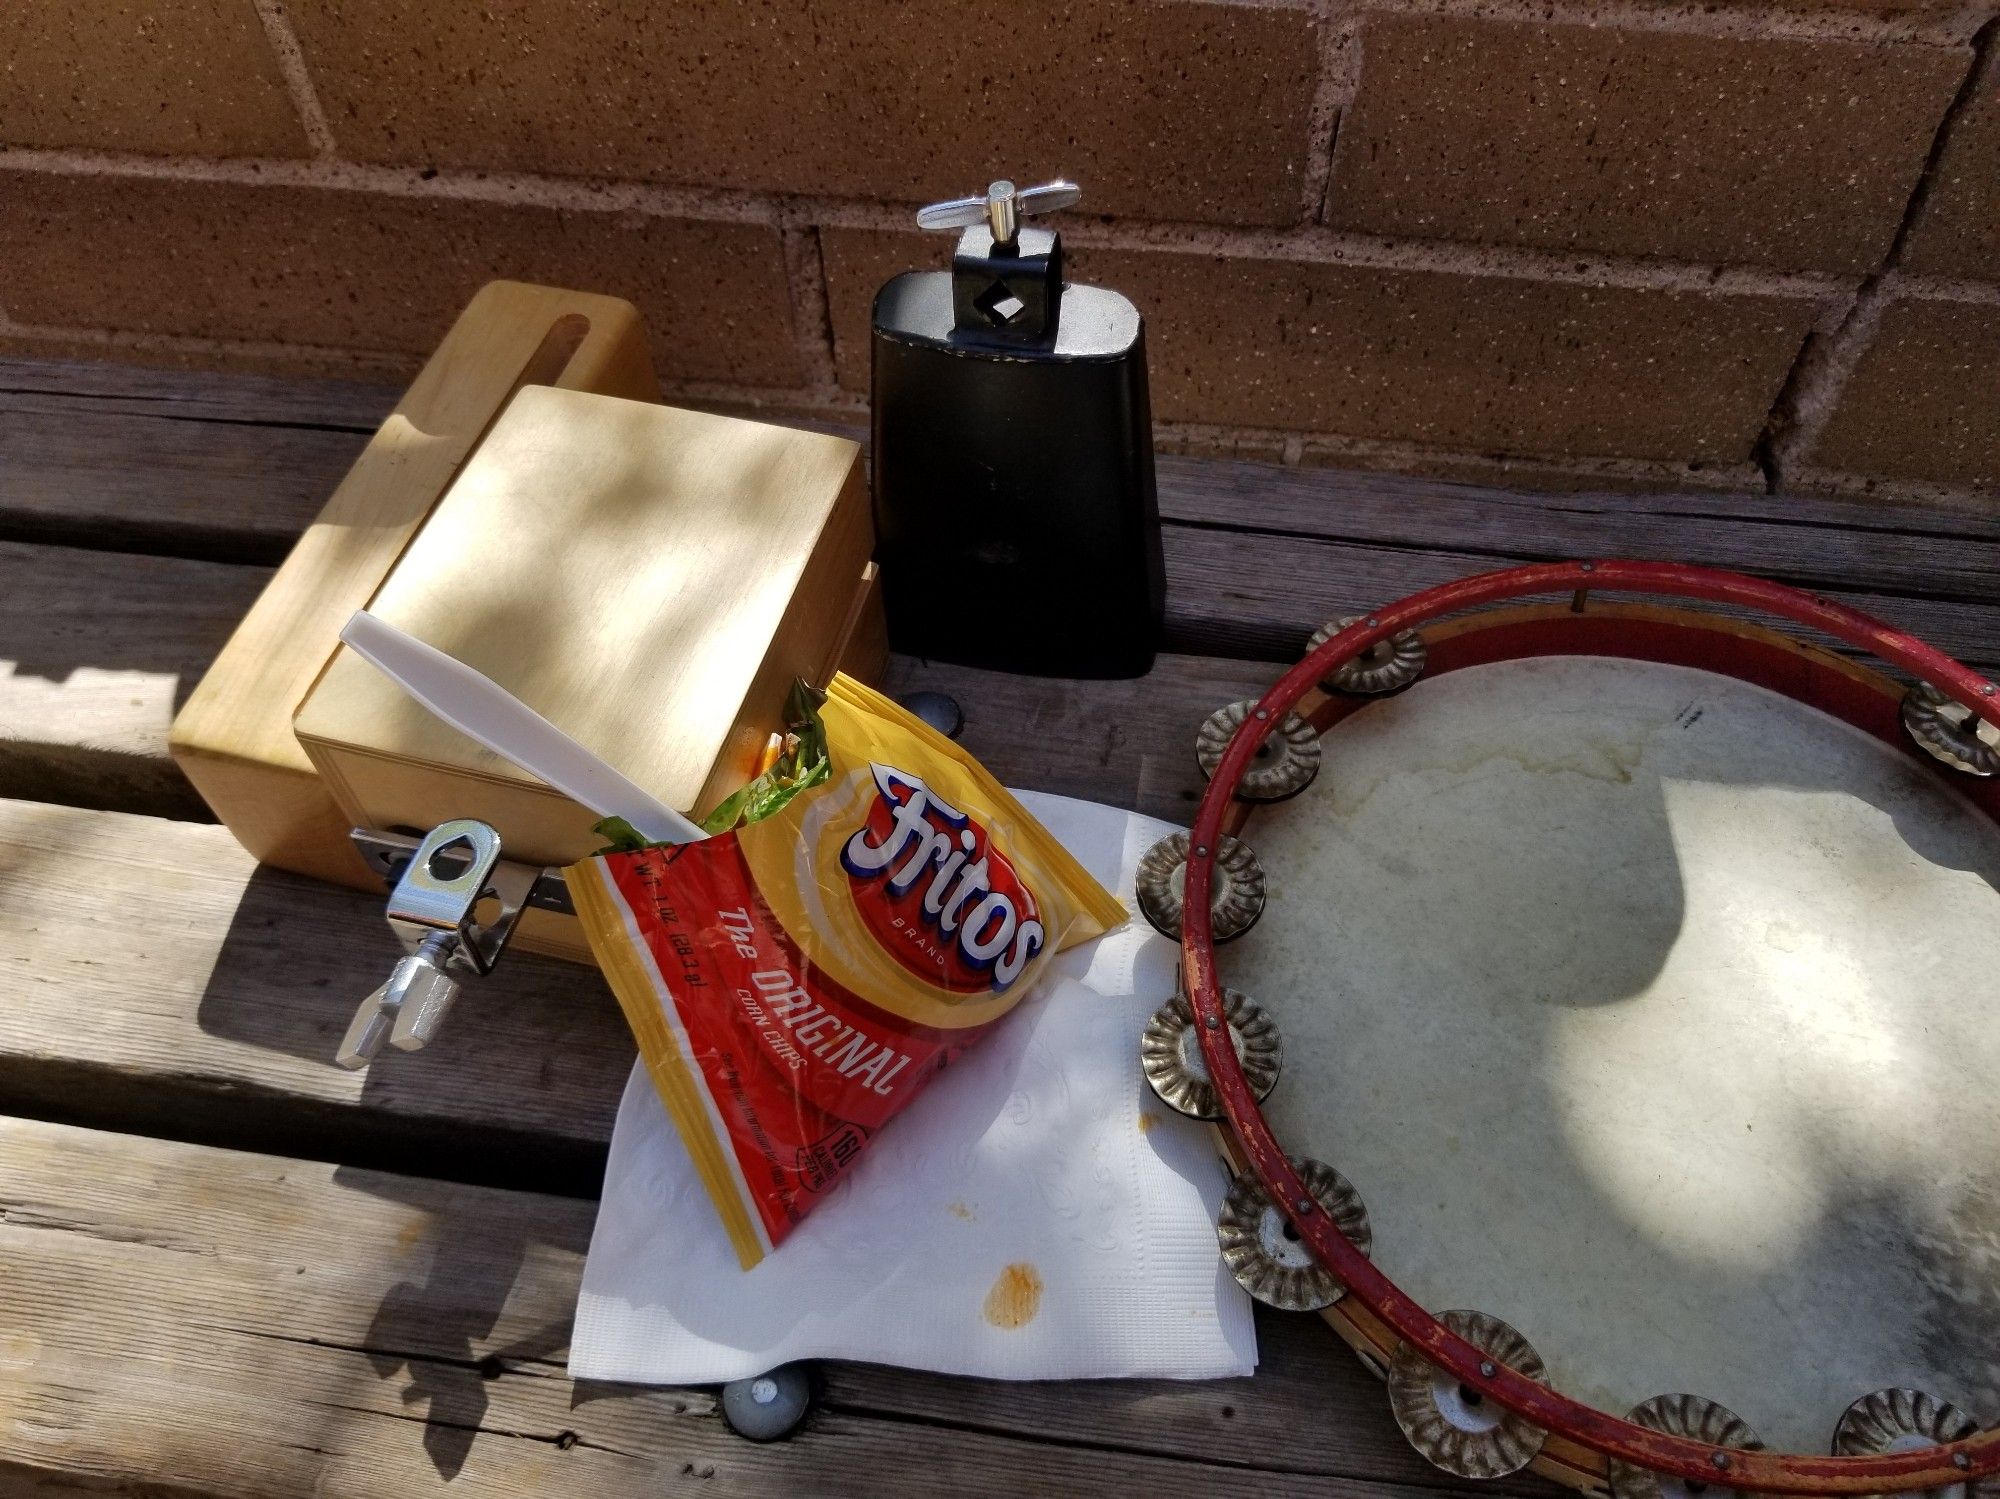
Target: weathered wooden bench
(228,1267)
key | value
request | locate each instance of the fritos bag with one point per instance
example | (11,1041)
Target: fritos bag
(794,983)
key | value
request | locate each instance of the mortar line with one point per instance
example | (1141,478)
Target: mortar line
(1983,65)
(1818,379)
(1682,17)
(510,189)
(1942,288)
(1315,244)
(291,59)
(1332,93)
(1306,244)
(1772,449)
(1321,245)
(812,314)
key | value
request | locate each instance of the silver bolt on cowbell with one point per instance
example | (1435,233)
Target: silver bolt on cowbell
(1001,208)
(439,886)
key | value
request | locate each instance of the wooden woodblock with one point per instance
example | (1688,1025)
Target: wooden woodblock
(234,736)
(649,579)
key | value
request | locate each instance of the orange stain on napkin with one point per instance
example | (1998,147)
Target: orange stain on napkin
(1016,1296)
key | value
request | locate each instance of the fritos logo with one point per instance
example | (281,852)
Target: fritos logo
(936,894)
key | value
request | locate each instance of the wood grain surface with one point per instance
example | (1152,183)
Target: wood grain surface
(187,1320)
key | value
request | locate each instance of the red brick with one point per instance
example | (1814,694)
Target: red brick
(1459,360)
(1958,230)
(1924,400)
(1800,154)
(1190,111)
(371,273)
(159,77)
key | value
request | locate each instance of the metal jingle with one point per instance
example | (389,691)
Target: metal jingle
(1236,893)
(1689,1416)
(1285,763)
(1170,1052)
(1898,1420)
(1265,1253)
(1453,1426)
(1949,731)
(1386,666)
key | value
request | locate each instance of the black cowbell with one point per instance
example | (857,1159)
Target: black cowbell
(1016,518)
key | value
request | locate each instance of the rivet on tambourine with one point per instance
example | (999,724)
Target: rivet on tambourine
(1385,666)
(1688,1416)
(1170,1051)
(1896,1420)
(1947,730)
(1285,762)
(1236,887)
(1453,1426)
(1263,1250)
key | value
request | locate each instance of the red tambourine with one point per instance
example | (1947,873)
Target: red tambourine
(1628,953)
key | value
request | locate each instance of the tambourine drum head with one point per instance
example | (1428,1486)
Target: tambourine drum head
(1655,1014)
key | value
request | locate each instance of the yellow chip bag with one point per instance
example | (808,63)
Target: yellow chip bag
(796,981)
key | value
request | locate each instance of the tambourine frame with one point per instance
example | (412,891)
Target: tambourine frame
(1802,671)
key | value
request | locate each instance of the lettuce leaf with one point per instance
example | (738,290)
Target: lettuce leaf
(801,764)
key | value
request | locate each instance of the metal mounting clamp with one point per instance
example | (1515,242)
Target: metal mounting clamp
(443,883)
(388,854)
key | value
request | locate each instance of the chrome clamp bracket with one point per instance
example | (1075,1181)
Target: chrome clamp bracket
(453,904)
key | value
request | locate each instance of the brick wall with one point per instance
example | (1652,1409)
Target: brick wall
(1554,241)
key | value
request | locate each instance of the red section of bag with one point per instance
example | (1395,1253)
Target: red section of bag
(798,1071)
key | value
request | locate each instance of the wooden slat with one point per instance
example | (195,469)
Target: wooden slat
(1311,1408)
(182,1320)
(140,482)
(1815,542)
(157,980)
(63,386)
(1261,595)
(97,652)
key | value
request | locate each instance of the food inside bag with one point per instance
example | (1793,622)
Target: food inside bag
(863,913)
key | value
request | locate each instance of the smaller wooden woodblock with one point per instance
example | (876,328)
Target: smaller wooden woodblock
(233,739)
(649,579)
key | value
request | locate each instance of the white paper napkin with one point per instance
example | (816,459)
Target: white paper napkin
(1036,1214)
